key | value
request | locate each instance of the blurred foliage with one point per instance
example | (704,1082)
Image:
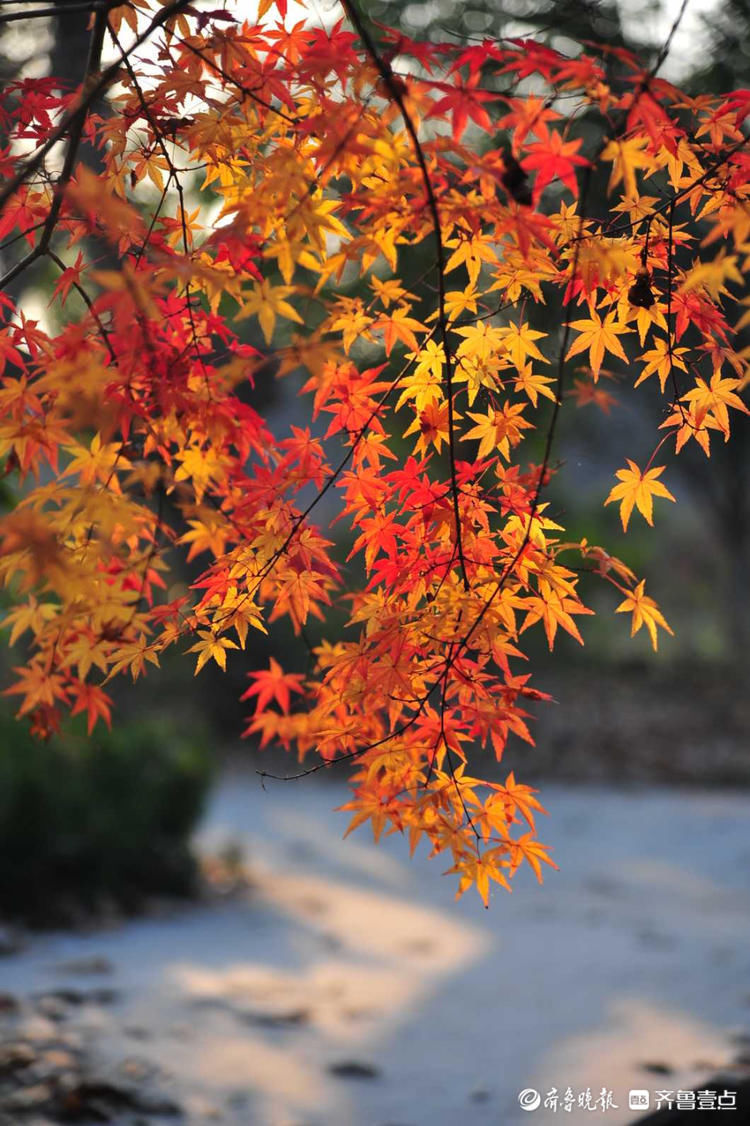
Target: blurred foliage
(725,64)
(92,824)
(574,19)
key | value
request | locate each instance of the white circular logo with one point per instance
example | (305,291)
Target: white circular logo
(529,1099)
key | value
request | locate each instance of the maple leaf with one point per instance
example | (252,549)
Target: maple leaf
(518,341)
(688,425)
(711,276)
(458,301)
(464,101)
(645,612)
(479,871)
(70,276)
(663,361)
(31,615)
(554,610)
(480,356)
(424,384)
(38,686)
(299,594)
(97,463)
(552,157)
(433,425)
(585,391)
(517,797)
(470,252)
(273,684)
(638,489)
(628,155)
(389,291)
(83,651)
(133,656)
(376,808)
(207,533)
(527,115)
(599,336)
(201,466)
(499,429)
(94,701)
(399,326)
(211,647)
(268,302)
(530,850)
(116,216)
(713,398)
(9,353)
(352,322)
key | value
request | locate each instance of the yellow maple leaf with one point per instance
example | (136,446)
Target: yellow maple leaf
(97,463)
(458,301)
(599,336)
(389,291)
(689,425)
(471,253)
(267,302)
(627,155)
(638,489)
(352,321)
(714,399)
(711,276)
(211,646)
(498,429)
(518,341)
(30,615)
(204,467)
(534,385)
(662,361)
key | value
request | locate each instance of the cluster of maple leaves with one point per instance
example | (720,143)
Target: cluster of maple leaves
(295,176)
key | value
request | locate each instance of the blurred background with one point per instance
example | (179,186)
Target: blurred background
(310,981)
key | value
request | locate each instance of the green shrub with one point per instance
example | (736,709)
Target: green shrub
(86,823)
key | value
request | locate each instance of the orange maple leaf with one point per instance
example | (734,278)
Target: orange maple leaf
(645,613)
(273,684)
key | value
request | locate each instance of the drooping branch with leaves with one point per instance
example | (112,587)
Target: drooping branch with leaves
(378,220)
